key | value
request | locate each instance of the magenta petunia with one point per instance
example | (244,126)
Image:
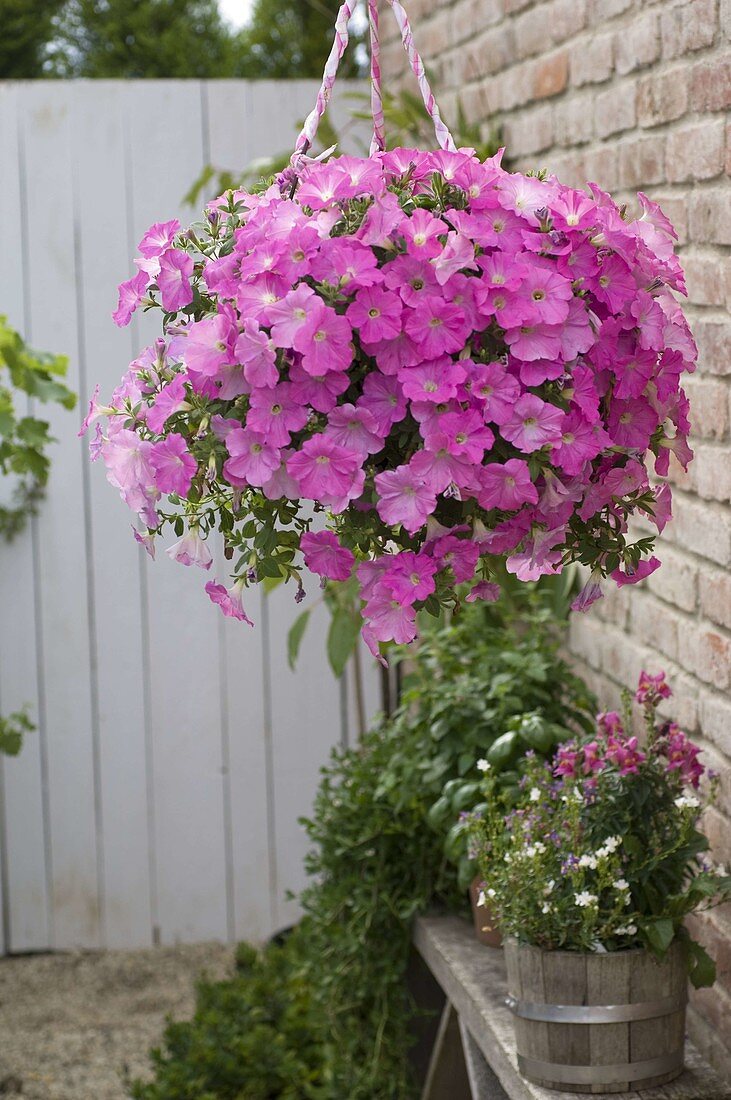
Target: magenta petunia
(275,413)
(632,575)
(375,314)
(327,473)
(533,424)
(229,600)
(507,485)
(131,294)
(325,556)
(436,380)
(158,238)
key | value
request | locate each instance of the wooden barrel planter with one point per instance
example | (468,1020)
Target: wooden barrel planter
(597,1023)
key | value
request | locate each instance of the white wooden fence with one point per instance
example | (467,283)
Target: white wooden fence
(158,801)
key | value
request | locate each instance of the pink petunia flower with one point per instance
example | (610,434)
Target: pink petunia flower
(644,568)
(275,414)
(252,458)
(355,429)
(409,577)
(437,327)
(158,238)
(289,315)
(506,485)
(325,340)
(173,464)
(319,391)
(375,314)
(325,556)
(534,341)
(255,351)
(384,399)
(327,473)
(173,280)
(207,345)
(495,389)
(191,549)
(131,294)
(435,381)
(230,600)
(422,231)
(533,424)
(404,498)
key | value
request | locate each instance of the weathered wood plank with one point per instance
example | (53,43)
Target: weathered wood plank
(608,983)
(25,839)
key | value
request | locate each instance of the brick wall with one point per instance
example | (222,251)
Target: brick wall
(635,95)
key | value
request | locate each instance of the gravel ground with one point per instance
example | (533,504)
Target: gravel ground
(71,1025)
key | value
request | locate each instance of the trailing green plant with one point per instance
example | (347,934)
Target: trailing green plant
(376,862)
(24,440)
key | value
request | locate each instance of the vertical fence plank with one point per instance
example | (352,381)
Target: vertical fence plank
(24,842)
(61,552)
(104,254)
(166,146)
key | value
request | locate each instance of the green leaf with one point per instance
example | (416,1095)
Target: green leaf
(295,635)
(659,934)
(701,967)
(341,638)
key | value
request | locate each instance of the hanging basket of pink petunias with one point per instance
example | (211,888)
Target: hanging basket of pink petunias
(414,366)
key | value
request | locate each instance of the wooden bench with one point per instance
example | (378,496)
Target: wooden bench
(474,1053)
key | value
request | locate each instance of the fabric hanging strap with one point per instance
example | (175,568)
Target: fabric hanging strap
(340,43)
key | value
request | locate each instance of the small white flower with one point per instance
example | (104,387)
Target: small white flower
(483,766)
(535,794)
(481,897)
(688,801)
(585,899)
(626,930)
(588,860)
(621,884)
(507,857)
(612,843)
(548,888)
(546,908)
(720,870)
(490,893)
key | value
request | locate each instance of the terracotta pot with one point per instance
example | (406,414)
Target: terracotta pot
(486,928)
(597,1023)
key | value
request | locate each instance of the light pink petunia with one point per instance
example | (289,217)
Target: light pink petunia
(327,473)
(643,569)
(191,549)
(275,413)
(173,280)
(375,314)
(173,464)
(354,428)
(404,498)
(252,458)
(255,351)
(158,238)
(436,380)
(325,341)
(437,327)
(131,294)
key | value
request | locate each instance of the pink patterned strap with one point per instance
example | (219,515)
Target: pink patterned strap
(444,138)
(309,130)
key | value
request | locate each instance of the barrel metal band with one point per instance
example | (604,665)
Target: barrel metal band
(633,1073)
(594,1014)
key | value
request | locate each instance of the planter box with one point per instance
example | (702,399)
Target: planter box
(597,1023)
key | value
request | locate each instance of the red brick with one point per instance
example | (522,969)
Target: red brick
(530,131)
(697,151)
(638,44)
(710,84)
(708,655)
(602,166)
(662,97)
(642,161)
(715,596)
(690,25)
(715,720)
(656,625)
(676,581)
(573,119)
(710,216)
(551,75)
(714,346)
(704,276)
(709,414)
(704,529)
(614,110)
(600,10)
(592,60)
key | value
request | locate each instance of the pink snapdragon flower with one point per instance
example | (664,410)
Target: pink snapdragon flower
(325,556)
(651,689)
(625,754)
